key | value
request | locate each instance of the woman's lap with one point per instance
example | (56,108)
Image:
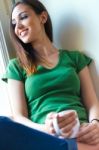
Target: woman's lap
(82,146)
(15,136)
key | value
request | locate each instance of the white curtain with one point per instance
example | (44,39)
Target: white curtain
(4,57)
(5,108)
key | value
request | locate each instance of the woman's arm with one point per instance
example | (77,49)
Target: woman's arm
(88,94)
(89,132)
(19,105)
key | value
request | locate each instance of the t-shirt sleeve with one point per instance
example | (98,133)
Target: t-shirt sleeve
(13,71)
(81,60)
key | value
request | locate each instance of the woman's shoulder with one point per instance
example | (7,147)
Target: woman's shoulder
(76,54)
(79,58)
(72,54)
(71,51)
(14,71)
(14,63)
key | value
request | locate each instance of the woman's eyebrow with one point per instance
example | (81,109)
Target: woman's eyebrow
(20,14)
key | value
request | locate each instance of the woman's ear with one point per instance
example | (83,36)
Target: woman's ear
(43,17)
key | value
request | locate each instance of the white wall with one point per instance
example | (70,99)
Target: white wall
(76,26)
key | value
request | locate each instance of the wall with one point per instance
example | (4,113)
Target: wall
(76,26)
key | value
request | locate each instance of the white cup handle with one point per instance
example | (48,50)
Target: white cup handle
(58,130)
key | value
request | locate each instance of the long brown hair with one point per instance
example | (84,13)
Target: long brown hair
(28,56)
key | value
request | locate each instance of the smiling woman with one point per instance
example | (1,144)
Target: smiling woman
(44,81)
(22,22)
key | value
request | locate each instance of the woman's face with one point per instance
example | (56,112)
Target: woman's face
(28,26)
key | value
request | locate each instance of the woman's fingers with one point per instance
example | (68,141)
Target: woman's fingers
(89,133)
(94,142)
(67,130)
(66,134)
(68,118)
(88,129)
(66,122)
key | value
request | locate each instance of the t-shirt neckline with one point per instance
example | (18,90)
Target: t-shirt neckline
(59,60)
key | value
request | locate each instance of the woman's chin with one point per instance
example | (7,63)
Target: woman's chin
(26,41)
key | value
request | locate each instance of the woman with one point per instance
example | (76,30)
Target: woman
(44,81)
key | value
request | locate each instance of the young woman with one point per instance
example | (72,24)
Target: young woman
(44,81)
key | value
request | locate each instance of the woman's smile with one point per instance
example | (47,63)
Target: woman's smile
(24,32)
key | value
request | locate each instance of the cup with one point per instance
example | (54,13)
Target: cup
(75,128)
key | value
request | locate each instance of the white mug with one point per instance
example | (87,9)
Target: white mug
(75,128)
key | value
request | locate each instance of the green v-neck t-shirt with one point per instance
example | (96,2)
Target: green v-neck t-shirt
(52,90)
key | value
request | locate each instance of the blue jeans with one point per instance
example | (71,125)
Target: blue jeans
(15,136)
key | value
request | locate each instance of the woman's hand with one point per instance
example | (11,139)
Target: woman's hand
(89,133)
(66,122)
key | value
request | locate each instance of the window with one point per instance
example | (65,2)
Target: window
(4,57)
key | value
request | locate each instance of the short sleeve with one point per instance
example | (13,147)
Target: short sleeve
(13,71)
(80,60)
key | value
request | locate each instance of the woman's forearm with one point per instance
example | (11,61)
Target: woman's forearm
(94,112)
(25,121)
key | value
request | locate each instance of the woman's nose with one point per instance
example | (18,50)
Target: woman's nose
(19,25)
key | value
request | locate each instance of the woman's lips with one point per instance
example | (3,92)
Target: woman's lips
(24,32)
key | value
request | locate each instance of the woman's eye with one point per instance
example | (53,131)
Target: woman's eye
(24,17)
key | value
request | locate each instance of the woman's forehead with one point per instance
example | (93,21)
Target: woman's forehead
(20,8)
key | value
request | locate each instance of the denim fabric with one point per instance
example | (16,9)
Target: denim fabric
(15,136)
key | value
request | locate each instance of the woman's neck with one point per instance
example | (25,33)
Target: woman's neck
(44,47)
